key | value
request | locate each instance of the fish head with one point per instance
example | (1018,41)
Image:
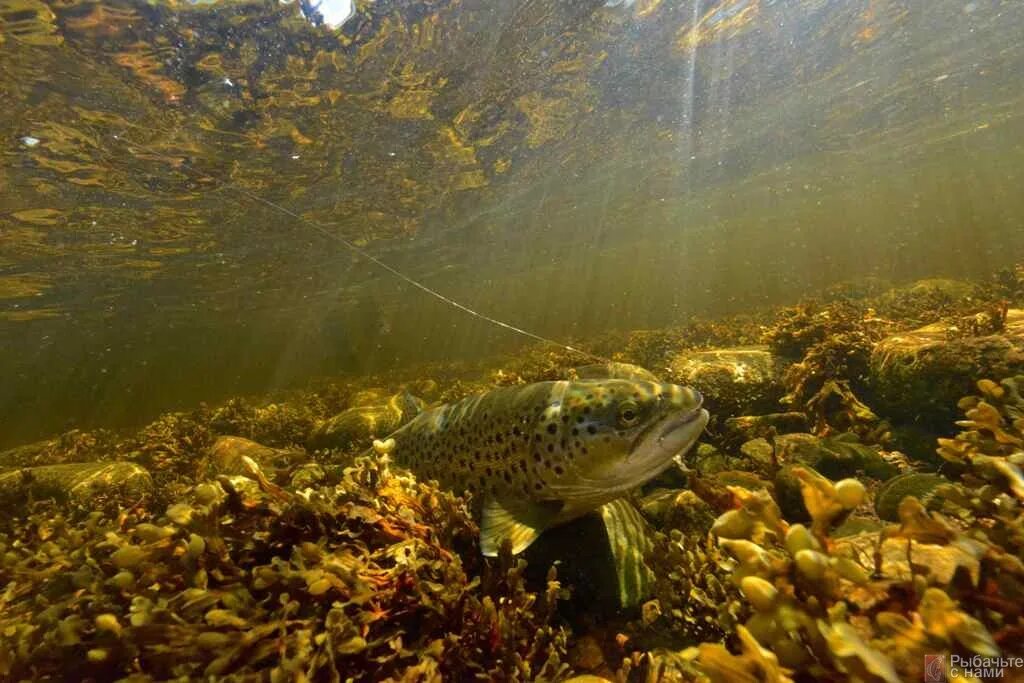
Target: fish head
(608,436)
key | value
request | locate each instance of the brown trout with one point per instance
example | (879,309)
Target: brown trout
(542,454)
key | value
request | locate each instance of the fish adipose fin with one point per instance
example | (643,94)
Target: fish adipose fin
(520,522)
(629,538)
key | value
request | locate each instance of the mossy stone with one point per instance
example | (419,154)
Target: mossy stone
(734,381)
(921,485)
(835,457)
(748,427)
(76,482)
(919,375)
(788,495)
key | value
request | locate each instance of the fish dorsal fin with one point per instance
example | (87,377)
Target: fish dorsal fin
(614,370)
(629,538)
(519,521)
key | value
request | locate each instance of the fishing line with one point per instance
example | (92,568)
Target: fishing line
(227,184)
(405,278)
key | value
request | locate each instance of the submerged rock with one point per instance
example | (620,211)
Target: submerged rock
(308,475)
(706,459)
(678,509)
(936,290)
(28,454)
(835,457)
(747,480)
(70,447)
(921,485)
(734,381)
(748,427)
(760,453)
(788,494)
(358,425)
(227,456)
(920,374)
(78,483)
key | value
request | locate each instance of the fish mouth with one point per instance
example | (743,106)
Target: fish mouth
(672,424)
(655,448)
(671,436)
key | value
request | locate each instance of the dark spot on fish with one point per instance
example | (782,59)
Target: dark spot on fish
(552,428)
(538,486)
(559,470)
(536,456)
(517,431)
(507,475)
(565,419)
(551,448)
(591,429)
(586,409)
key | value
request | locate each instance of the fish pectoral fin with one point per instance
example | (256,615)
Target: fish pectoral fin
(630,539)
(519,521)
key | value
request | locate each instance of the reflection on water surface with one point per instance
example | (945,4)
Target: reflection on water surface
(571,167)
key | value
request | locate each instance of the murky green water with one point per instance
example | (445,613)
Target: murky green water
(568,167)
(285,390)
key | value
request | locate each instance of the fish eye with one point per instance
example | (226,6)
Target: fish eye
(629,413)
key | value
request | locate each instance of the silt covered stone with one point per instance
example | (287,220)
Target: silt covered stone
(920,375)
(735,381)
(75,482)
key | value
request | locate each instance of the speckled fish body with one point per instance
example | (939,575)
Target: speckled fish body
(542,454)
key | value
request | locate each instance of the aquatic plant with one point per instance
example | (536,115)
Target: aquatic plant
(833,344)
(1008,284)
(359,581)
(695,600)
(172,449)
(837,353)
(989,501)
(835,608)
(280,424)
